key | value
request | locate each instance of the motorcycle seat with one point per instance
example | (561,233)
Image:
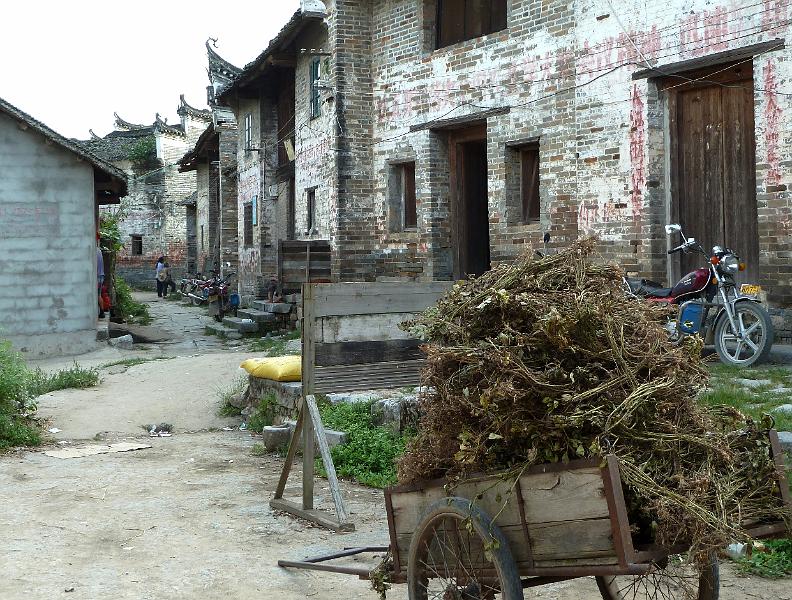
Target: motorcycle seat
(647,287)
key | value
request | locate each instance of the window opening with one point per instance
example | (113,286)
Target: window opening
(316,109)
(459,20)
(529,183)
(248,217)
(248,131)
(311,208)
(137,245)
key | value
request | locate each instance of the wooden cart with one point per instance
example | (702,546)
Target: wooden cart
(491,537)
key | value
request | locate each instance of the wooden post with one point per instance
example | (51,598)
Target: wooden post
(327,459)
(308,457)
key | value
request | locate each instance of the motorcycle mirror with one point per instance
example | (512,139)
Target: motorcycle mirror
(673,228)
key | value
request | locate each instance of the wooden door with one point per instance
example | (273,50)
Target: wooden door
(714,164)
(469,201)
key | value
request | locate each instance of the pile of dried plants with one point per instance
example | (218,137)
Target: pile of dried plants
(547,360)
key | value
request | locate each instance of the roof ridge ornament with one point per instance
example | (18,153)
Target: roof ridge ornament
(312,6)
(186,109)
(125,125)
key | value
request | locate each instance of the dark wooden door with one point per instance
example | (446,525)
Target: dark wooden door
(715,166)
(469,201)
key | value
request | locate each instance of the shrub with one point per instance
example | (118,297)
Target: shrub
(261,416)
(127,307)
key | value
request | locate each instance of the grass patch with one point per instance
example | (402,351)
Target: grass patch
(275,345)
(131,362)
(75,377)
(370,454)
(129,308)
(258,450)
(19,387)
(773,564)
(777,375)
(261,416)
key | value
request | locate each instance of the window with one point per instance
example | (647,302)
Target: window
(203,245)
(529,183)
(403,209)
(248,131)
(137,245)
(248,218)
(316,108)
(311,210)
(459,20)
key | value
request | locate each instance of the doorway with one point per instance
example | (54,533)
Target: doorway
(469,206)
(713,163)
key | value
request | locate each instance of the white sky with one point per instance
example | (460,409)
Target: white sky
(71,64)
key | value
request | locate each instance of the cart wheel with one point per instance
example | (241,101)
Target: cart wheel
(674,580)
(457,553)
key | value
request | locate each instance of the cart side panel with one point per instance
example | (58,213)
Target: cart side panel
(567,520)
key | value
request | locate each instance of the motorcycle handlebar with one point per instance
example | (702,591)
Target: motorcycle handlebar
(677,249)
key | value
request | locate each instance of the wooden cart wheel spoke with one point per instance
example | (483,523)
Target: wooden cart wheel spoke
(457,553)
(675,580)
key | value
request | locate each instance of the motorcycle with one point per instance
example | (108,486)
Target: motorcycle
(710,302)
(193,288)
(218,296)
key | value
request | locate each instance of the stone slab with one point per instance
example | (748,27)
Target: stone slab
(281,308)
(241,325)
(141,334)
(785,437)
(223,332)
(259,316)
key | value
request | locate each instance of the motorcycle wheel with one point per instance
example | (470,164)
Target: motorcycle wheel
(755,341)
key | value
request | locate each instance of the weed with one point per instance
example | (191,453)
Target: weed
(275,345)
(73,377)
(261,416)
(258,450)
(773,564)
(127,307)
(227,409)
(370,454)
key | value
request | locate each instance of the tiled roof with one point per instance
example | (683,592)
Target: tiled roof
(72,145)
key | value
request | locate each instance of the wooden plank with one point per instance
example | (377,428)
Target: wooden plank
(327,459)
(356,353)
(308,459)
(619,521)
(315,516)
(565,540)
(366,377)
(567,495)
(294,442)
(362,328)
(383,303)
(380,288)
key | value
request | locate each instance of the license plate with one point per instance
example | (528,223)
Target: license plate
(749,289)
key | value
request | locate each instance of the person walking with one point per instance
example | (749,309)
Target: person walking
(100,275)
(161,277)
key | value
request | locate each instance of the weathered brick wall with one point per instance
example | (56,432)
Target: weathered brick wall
(228,200)
(564,71)
(207,217)
(249,189)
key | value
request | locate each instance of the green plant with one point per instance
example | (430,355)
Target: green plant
(73,377)
(127,307)
(370,454)
(227,395)
(258,450)
(775,563)
(261,416)
(274,345)
(143,155)
(131,362)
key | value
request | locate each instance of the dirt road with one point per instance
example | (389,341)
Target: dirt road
(187,518)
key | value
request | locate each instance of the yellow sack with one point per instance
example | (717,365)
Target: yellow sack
(277,368)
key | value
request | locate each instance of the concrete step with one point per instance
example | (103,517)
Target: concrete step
(221,331)
(241,325)
(281,308)
(259,316)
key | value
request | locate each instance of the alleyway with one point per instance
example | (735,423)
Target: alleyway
(187,518)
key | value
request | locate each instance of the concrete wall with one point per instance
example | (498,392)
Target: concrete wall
(48,302)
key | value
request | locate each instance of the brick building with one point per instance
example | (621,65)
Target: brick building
(155,211)
(212,213)
(453,134)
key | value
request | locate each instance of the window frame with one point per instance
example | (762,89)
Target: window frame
(137,241)
(314,76)
(248,131)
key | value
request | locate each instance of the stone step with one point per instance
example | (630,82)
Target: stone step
(259,316)
(221,331)
(281,308)
(292,298)
(241,325)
